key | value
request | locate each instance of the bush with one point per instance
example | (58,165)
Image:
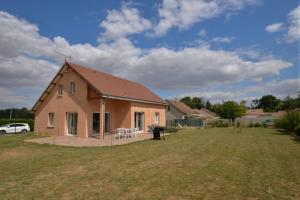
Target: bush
(170,129)
(30,122)
(257,124)
(222,123)
(265,125)
(238,124)
(289,122)
(251,124)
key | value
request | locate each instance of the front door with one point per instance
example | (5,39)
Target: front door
(96,123)
(139,120)
(72,121)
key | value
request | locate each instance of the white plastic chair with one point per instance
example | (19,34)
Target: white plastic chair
(120,132)
(127,133)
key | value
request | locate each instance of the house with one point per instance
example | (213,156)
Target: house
(179,113)
(81,101)
(259,116)
(178,110)
(207,115)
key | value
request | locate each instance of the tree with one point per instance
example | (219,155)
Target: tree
(208,105)
(269,103)
(187,101)
(254,103)
(231,110)
(195,102)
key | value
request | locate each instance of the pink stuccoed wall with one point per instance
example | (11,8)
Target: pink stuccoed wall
(122,112)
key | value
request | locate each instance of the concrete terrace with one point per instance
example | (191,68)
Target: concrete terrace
(109,140)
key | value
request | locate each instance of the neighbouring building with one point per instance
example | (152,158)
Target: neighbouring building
(178,110)
(179,113)
(259,116)
(82,101)
(207,115)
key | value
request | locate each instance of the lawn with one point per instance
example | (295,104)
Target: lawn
(216,163)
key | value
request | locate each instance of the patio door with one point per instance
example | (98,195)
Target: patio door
(96,123)
(139,120)
(72,121)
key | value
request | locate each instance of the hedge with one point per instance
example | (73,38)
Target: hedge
(30,122)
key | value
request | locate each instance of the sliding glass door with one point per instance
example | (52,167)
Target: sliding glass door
(139,120)
(72,121)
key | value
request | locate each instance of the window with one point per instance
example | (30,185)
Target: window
(60,90)
(51,119)
(156,119)
(73,87)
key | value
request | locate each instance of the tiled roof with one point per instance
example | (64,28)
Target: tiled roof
(205,112)
(181,107)
(113,86)
(107,85)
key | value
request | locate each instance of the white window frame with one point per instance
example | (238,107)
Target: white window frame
(51,119)
(157,118)
(73,87)
(60,89)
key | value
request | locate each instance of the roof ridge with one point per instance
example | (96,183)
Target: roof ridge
(106,73)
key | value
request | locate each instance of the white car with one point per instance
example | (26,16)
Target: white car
(14,128)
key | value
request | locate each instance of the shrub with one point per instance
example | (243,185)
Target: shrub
(222,123)
(238,124)
(251,124)
(290,122)
(30,122)
(257,124)
(171,129)
(265,124)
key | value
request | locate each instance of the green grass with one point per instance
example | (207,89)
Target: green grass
(216,163)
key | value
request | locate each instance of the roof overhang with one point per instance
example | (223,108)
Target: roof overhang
(134,100)
(50,87)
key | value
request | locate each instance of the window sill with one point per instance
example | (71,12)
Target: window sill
(50,127)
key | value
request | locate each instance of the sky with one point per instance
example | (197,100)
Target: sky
(220,50)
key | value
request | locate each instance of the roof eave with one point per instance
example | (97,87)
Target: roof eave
(134,100)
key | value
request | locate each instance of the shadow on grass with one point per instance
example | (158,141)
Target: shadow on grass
(281,132)
(293,136)
(296,139)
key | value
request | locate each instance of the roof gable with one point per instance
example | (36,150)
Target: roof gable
(181,107)
(105,84)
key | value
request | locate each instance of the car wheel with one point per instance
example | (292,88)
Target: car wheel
(24,131)
(2,132)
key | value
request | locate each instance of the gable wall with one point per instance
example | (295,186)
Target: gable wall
(60,105)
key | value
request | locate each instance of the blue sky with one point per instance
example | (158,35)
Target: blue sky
(220,50)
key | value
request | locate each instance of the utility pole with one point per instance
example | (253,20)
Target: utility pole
(10,113)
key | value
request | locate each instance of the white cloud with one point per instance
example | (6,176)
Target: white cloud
(122,23)
(272,28)
(293,27)
(293,33)
(202,33)
(158,68)
(281,89)
(183,14)
(223,39)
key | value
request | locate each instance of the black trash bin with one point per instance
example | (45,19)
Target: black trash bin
(156,132)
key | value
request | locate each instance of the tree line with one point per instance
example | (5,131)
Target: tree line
(232,109)
(16,113)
